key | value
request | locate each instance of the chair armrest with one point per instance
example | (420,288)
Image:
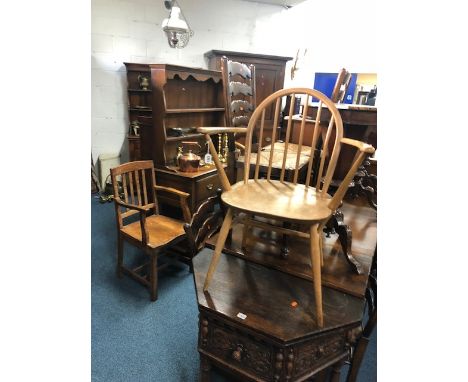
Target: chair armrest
(173,190)
(140,209)
(132,206)
(240,145)
(364,147)
(364,150)
(219,130)
(182,199)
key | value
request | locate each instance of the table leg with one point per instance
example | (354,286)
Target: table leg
(336,371)
(346,237)
(205,368)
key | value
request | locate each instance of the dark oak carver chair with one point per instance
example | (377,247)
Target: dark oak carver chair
(152,232)
(304,205)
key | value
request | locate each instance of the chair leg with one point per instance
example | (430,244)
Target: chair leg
(219,247)
(245,231)
(320,230)
(317,271)
(321,248)
(153,276)
(119,256)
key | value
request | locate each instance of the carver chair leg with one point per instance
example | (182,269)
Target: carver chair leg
(317,271)
(153,276)
(120,245)
(219,247)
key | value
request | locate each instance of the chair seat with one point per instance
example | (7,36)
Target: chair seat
(162,230)
(292,148)
(281,200)
(277,160)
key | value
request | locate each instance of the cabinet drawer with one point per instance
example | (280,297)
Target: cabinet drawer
(230,346)
(252,355)
(206,187)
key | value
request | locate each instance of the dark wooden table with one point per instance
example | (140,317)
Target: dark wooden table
(248,324)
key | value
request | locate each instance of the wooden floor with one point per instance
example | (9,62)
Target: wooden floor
(265,248)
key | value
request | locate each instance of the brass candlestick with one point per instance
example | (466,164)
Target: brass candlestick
(220,148)
(225,148)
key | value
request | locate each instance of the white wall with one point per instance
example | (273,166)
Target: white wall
(336,34)
(130,31)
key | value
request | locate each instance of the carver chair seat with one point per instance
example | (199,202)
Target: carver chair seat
(296,203)
(162,231)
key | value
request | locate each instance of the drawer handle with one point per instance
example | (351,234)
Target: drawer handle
(237,354)
(209,186)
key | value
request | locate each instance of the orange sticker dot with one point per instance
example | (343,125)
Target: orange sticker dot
(294,304)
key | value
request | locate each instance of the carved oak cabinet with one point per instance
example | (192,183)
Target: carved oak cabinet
(259,324)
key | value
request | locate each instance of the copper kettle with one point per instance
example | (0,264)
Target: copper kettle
(189,162)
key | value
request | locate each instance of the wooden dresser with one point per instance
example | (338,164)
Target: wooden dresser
(176,97)
(269,70)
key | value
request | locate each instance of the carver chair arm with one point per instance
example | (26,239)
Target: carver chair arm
(142,210)
(182,199)
(364,150)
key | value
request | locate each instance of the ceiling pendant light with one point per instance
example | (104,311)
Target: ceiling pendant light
(176,27)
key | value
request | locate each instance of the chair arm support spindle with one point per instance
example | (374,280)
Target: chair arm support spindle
(144,229)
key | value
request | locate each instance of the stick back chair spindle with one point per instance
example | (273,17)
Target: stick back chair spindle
(306,205)
(152,232)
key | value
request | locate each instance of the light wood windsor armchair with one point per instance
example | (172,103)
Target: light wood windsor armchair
(288,201)
(152,232)
(240,103)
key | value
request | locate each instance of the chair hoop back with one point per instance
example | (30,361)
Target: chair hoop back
(328,142)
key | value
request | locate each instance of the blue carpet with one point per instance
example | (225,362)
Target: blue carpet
(133,339)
